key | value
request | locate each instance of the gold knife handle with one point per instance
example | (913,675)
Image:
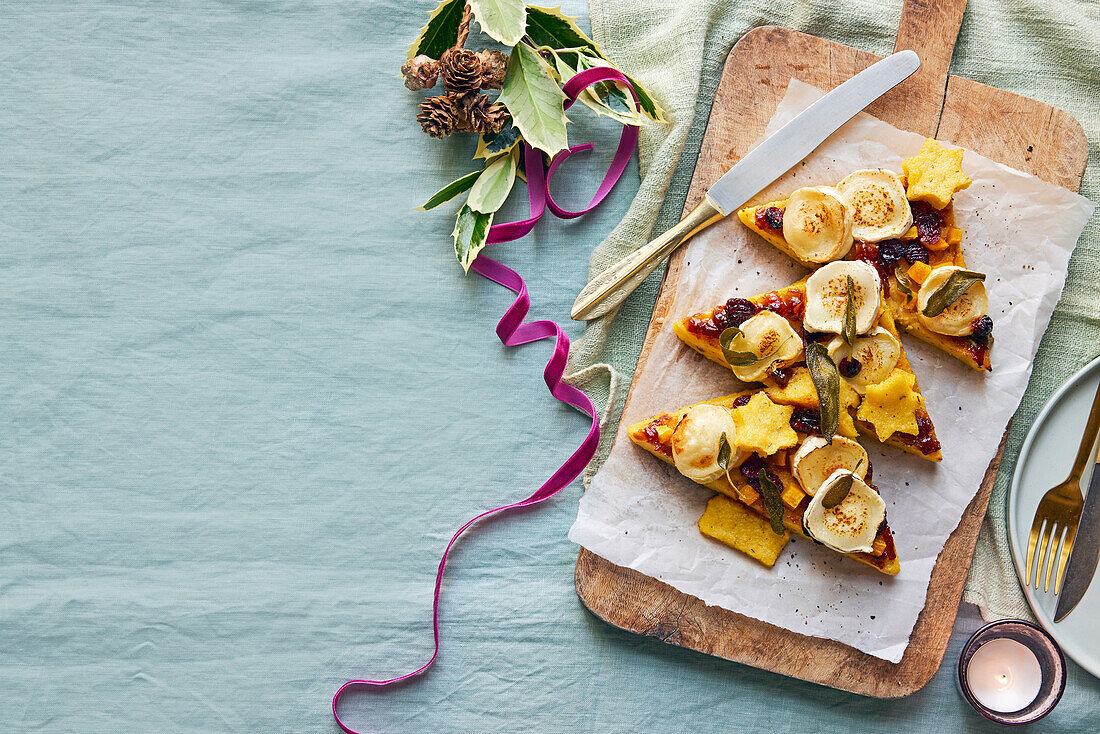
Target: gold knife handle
(1088,440)
(611,287)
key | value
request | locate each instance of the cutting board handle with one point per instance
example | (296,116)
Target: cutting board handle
(929,27)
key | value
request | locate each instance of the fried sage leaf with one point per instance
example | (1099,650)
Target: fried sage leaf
(743,359)
(838,492)
(724,454)
(905,285)
(826,381)
(850,315)
(957,283)
(734,357)
(773,502)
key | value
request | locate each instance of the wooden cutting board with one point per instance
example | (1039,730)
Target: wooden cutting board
(1020,132)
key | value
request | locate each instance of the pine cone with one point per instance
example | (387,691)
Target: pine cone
(420,72)
(437,116)
(494,67)
(484,116)
(461,71)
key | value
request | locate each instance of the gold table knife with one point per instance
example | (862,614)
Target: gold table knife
(764,164)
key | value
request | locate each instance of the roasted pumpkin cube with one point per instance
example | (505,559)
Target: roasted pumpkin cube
(918,271)
(792,496)
(747,494)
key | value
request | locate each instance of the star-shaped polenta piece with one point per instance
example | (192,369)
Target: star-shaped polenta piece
(763,426)
(935,174)
(800,392)
(891,405)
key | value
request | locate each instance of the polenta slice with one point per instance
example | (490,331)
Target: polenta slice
(743,484)
(931,179)
(910,427)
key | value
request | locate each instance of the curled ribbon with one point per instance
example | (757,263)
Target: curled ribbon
(513,332)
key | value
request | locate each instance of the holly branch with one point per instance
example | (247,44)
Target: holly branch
(547,48)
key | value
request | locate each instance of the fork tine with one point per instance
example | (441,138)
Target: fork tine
(1055,544)
(1042,553)
(1067,548)
(1032,541)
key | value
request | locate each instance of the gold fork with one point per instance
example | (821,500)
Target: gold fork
(1059,511)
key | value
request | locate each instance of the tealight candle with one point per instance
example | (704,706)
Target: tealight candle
(1004,675)
(1012,672)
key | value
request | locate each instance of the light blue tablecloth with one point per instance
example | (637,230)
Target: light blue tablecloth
(247,395)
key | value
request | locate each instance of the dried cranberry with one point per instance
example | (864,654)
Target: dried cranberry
(770,217)
(741,400)
(983,327)
(890,252)
(929,224)
(849,367)
(773,215)
(915,251)
(806,420)
(751,468)
(782,375)
(737,311)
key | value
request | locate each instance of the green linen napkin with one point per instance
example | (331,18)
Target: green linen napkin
(1040,50)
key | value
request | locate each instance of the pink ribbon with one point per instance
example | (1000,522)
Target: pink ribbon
(513,332)
(538,180)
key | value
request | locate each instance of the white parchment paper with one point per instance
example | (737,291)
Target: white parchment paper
(641,514)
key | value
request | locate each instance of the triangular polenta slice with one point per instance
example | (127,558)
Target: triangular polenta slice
(894,414)
(932,202)
(654,435)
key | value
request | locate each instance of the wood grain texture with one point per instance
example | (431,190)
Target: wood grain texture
(930,28)
(1020,132)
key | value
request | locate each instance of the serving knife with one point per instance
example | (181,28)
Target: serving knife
(768,161)
(1086,549)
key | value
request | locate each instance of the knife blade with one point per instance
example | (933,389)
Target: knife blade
(768,161)
(1086,549)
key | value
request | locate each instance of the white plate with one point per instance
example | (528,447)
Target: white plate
(1044,461)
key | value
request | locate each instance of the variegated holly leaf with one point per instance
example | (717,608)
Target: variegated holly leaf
(441,31)
(491,144)
(553,28)
(470,235)
(610,99)
(450,191)
(535,100)
(494,184)
(649,105)
(503,20)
